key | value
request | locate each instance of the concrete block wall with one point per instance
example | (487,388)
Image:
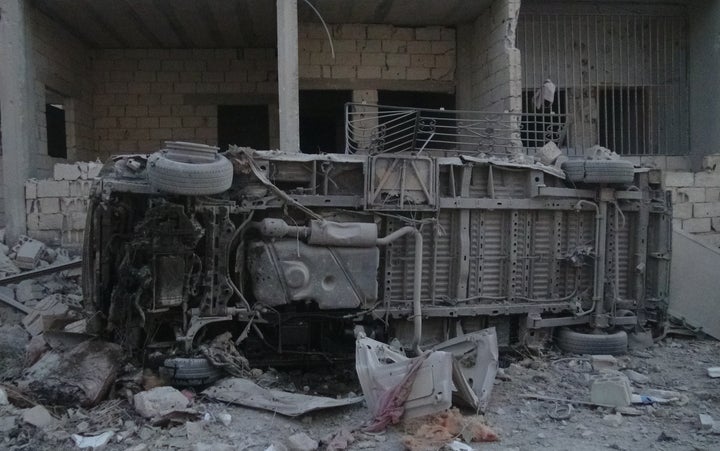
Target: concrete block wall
(62,65)
(377,52)
(143,97)
(696,200)
(492,78)
(56,207)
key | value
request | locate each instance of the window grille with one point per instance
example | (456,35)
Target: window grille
(620,79)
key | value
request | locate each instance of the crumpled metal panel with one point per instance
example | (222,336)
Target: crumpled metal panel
(475,364)
(289,270)
(380,368)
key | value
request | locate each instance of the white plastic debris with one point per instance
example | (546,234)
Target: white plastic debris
(714,372)
(94,441)
(225,418)
(3,397)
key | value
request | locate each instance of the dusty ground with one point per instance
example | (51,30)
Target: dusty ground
(677,364)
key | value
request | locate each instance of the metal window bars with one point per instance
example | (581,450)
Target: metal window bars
(378,129)
(621,78)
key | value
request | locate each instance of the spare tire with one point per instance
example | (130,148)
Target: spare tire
(607,172)
(189,178)
(580,343)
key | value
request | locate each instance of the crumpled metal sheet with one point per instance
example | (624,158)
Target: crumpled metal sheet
(247,393)
(475,364)
(380,369)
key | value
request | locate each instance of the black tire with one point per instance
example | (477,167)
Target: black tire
(611,172)
(580,343)
(606,172)
(190,371)
(191,179)
(574,170)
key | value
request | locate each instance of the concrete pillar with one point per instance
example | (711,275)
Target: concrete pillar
(287,44)
(17,109)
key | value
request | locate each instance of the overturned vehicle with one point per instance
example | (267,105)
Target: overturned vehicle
(419,232)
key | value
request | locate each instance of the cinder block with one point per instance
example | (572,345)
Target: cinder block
(711,179)
(63,171)
(442,47)
(379,31)
(394,73)
(706,209)
(697,225)
(712,195)
(73,204)
(677,178)
(428,34)
(418,73)
(347,72)
(75,221)
(31,189)
(373,59)
(366,72)
(711,162)
(715,224)
(419,47)
(52,221)
(693,195)
(394,46)
(612,389)
(49,205)
(94,170)
(53,188)
(683,210)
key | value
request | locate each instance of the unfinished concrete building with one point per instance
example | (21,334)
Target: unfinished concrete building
(80,81)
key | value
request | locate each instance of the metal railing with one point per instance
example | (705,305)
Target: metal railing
(376,129)
(621,78)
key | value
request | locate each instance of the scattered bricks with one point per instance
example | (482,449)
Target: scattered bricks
(31,189)
(679,179)
(49,205)
(697,225)
(53,188)
(706,209)
(29,290)
(711,179)
(158,401)
(611,389)
(683,211)
(51,221)
(603,362)
(706,422)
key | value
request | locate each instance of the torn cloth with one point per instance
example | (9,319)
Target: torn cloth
(391,405)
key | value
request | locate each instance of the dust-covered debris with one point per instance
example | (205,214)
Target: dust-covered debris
(159,401)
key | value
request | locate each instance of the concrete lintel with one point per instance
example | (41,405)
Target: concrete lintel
(289,102)
(17,107)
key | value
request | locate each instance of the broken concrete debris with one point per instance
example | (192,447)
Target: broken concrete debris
(159,401)
(82,376)
(94,441)
(39,417)
(611,389)
(713,372)
(301,442)
(706,421)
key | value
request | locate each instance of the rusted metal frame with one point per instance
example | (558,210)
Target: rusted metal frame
(556,250)
(405,309)
(512,267)
(463,233)
(641,246)
(40,272)
(520,204)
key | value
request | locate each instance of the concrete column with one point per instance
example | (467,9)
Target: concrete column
(17,109)
(287,44)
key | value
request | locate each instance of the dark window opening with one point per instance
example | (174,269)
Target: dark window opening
(623,127)
(416,99)
(539,126)
(55,126)
(244,126)
(322,120)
